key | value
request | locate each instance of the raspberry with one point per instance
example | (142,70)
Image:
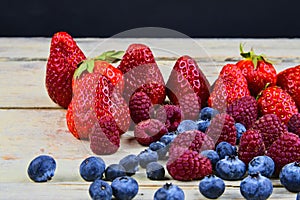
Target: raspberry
(294,124)
(284,150)
(271,127)
(244,111)
(190,140)
(222,129)
(251,145)
(171,115)
(189,166)
(149,131)
(139,106)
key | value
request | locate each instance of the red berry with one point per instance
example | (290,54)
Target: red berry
(140,106)
(294,124)
(171,115)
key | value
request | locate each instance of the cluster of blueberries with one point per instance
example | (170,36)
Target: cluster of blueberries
(226,165)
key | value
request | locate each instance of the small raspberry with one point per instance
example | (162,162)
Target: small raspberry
(294,124)
(270,127)
(222,129)
(284,150)
(251,145)
(189,166)
(190,140)
(148,131)
(244,111)
(171,115)
(139,106)
(105,138)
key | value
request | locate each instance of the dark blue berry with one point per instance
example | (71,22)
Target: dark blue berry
(187,125)
(225,149)
(113,171)
(155,171)
(231,168)
(92,168)
(130,164)
(147,156)
(290,177)
(212,187)
(263,164)
(212,155)
(255,186)
(240,129)
(207,113)
(203,125)
(160,148)
(298,196)
(169,192)
(41,168)
(124,188)
(168,138)
(100,190)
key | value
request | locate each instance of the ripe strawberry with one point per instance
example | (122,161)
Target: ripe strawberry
(244,110)
(294,124)
(190,140)
(140,106)
(270,127)
(251,145)
(148,131)
(190,165)
(187,79)
(257,70)
(289,80)
(170,115)
(70,121)
(230,86)
(274,100)
(190,106)
(222,129)
(63,60)
(141,73)
(284,150)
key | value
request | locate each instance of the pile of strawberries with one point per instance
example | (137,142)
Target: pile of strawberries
(104,101)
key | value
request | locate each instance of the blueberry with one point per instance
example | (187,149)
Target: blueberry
(100,190)
(207,113)
(168,138)
(256,186)
(169,192)
(41,168)
(231,168)
(124,188)
(92,168)
(263,164)
(160,148)
(240,129)
(155,171)
(187,125)
(113,171)
(290,176)
(203,125)
(212,155)
(147,156)
(225,149)
(298,196)
(130,164)
(212,187)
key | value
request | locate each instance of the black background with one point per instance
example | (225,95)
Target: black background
(96,18)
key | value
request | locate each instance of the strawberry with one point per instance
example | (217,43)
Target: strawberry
(289,80)
(63,60)
(187,80)
(70,121)
(257,70)
(141,73)
(230,86)
(274,100)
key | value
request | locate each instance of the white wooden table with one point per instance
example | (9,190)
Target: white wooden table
(30,124)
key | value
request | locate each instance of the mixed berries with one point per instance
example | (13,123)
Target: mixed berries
(245,126)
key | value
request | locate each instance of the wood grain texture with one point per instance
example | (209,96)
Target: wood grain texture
(31,124)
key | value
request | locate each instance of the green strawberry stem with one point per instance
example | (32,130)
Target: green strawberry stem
(252,56)
(89,64)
